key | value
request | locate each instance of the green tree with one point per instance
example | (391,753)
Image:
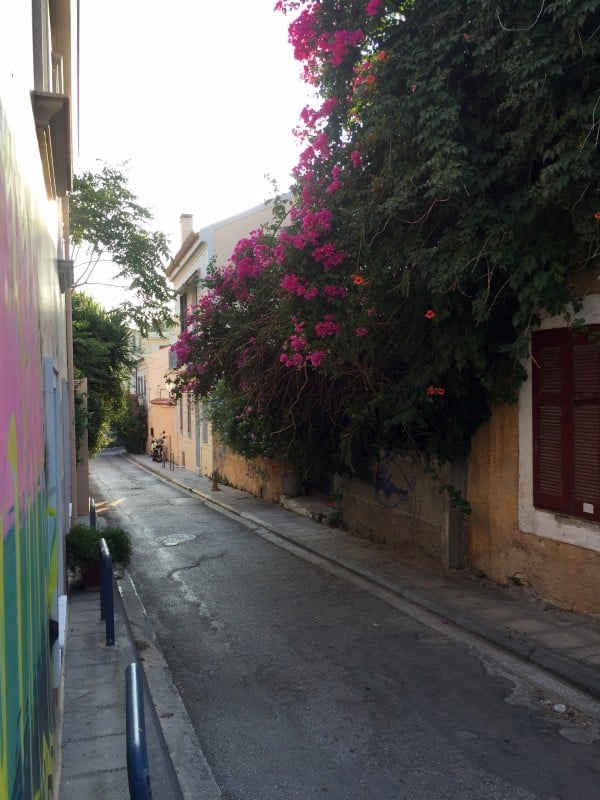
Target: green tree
(101,353)
(110,226)
(132,425)
(447,194)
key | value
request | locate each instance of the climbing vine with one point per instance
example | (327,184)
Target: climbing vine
(447,193)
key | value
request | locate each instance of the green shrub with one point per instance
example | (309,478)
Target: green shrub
(83,546)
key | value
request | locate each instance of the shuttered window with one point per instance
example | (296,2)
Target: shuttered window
(566,421)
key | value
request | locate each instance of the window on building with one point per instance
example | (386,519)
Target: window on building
(566,421)
(189,413)
(182,312)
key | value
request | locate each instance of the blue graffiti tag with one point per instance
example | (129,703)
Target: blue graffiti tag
(388,494)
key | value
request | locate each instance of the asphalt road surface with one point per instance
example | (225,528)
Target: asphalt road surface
(301,685)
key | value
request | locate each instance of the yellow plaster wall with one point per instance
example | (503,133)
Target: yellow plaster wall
(184,446)
(258,476)
(401,506)
(564,574)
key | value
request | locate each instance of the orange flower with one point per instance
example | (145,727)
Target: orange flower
(430,314)
(359,280)
(432,391)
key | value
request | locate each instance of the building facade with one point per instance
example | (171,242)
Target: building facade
(38,68)
(195,447)
(534,473)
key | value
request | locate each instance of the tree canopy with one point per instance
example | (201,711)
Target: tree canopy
(102,353)
(110,226)
(447,193)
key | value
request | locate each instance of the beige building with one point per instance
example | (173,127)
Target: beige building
(191,438)
(150,383)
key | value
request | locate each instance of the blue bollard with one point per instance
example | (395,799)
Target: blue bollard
(107,612)
(138,773)
(92,512)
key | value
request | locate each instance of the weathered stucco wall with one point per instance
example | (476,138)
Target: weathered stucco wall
(563,573)
(401,506)
(259,476)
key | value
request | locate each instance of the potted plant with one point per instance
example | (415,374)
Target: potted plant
(83,551)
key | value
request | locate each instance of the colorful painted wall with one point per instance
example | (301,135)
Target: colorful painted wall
(31,337)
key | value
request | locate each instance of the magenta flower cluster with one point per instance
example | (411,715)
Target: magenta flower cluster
(309,242)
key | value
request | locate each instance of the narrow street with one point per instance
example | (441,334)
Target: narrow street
(301,685)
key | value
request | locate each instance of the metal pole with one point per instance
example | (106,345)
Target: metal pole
(92,512)
(106,592)
(138,773)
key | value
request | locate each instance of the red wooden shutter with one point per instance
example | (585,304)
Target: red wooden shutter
(586,427)
(566,421)
(550,419)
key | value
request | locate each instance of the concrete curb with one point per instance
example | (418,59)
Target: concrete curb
(195,778)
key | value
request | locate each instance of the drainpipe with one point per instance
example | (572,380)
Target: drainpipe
(70,369)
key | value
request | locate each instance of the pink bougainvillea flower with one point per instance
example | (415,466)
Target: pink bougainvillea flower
(361,332)
(327,327)
(597,215)
(431,390)
(297,342)
(430,314)
(373,7)
(296,360)
(316,357)
(356,159)
(292,284)
(334,291)
(441,391)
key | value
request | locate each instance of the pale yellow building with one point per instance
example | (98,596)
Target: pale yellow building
(193,445)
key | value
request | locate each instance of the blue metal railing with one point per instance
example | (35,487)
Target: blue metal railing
(107,612)
(138,773)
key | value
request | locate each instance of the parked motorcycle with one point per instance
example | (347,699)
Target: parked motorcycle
(157,448)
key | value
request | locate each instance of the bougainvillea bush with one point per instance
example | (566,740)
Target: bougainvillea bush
(447,189)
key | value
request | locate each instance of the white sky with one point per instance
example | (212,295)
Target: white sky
(199,96)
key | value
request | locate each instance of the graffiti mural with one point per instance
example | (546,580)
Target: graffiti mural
(28,549)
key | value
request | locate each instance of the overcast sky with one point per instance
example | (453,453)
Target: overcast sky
(200,97)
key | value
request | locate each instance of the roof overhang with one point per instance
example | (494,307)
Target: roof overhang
(53,126)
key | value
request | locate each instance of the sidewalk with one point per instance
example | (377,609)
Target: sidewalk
(566,645)
(93,742)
